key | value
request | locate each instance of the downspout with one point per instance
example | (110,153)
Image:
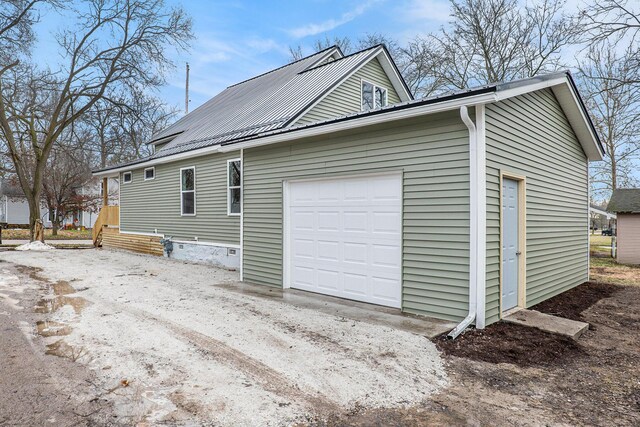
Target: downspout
(477,221)
(473,208)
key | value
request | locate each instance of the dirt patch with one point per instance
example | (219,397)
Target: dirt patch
(510,343)
(572,303)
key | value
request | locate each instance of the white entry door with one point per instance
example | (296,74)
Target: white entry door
(344,238)
(510,244)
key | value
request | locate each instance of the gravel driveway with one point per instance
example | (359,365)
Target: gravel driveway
(170,342)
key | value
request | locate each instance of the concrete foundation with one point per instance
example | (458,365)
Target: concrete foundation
(204,253)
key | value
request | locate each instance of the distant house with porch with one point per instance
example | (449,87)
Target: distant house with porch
(626,204)
(14,209)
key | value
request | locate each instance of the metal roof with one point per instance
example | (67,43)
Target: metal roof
(241,136)
(625,200)
(264,103)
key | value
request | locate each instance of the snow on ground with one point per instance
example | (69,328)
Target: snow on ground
(35,246)
(191,347)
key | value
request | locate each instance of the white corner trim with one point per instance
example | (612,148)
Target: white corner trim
(241,214)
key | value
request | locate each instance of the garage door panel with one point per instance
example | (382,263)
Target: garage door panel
(328,250)
(355,253)
(345,236)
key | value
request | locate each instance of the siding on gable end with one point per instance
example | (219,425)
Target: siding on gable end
(155,204)
(529,135)
(431,152)
(346,98)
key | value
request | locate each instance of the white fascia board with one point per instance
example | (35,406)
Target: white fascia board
(160,160)
(390,116)
(396,80)
(532,87)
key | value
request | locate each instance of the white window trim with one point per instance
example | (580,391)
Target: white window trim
(188,191)
(229,188)
(386,95)
(145,174)
(124,181)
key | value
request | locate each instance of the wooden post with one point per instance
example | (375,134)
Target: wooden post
(105,192)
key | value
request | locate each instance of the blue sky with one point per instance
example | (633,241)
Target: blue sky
(236,40)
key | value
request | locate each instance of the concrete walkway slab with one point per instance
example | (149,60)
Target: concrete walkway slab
(548,323)
(348,309)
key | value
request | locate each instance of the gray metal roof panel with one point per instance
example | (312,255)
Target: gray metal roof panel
(263,103)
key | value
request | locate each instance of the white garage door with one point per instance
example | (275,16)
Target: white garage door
(345,237)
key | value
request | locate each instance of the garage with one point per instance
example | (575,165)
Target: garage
(343,237)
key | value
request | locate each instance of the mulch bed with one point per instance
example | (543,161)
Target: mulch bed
(525,346)
(509,343)
(572,303)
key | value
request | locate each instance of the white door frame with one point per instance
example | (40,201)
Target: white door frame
(522,240)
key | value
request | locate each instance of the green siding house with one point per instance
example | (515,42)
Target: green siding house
(326,176)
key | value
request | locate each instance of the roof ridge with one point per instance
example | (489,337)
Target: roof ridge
(284,66)
(340,59)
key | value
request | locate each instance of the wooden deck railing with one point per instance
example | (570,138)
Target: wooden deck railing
(109,215)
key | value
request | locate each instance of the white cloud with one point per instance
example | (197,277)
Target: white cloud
(316,28)
(427,10)
(266,45)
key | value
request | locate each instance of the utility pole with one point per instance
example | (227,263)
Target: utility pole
(186,94)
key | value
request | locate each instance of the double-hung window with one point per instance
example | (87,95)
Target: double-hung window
(234,187)
(373,96)
(188,191)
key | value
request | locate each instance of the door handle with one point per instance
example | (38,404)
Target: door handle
(518,253)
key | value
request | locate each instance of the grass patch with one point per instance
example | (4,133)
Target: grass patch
(23,234)
(597,240)
(607,270)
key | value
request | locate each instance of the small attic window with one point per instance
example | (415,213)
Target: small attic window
(373,96)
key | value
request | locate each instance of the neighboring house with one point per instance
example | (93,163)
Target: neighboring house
(14,208)
(626,204)
(325,175)
(601,219)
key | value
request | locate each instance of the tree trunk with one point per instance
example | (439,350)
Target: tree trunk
(34,217)
(55,225)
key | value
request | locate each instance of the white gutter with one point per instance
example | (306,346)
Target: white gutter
(304,132)
(477,220)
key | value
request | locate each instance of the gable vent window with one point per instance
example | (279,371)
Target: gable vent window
(188,191)
(234,187)
(149,174)
(373,96)
(127,177)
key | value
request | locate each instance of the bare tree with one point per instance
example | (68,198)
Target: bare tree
(115,43)
(66,174)
(616,22)
(496,40)
(615,109)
